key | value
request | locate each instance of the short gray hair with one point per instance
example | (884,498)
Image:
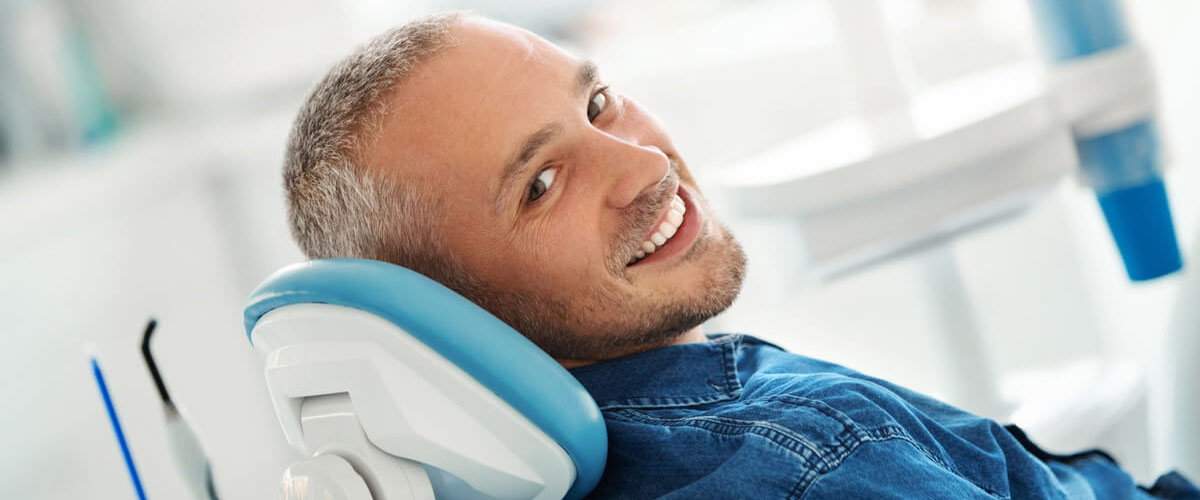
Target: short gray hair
(336,206)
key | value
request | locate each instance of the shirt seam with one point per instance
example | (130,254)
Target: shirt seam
(729,346)
(817,460)
(880,435)
(801,447)
(652,402)
(876,434)
(729,353)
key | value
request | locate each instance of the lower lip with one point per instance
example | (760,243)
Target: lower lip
(693,220)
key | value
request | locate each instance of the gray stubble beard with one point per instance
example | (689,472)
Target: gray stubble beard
(603,324)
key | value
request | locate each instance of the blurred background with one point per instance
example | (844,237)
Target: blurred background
(140,147)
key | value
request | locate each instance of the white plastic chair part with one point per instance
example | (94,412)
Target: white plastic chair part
(411,402)
(325,477)
(972,162)
(331,427)
(1105,91)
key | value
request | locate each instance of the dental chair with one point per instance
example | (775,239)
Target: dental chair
(392,386)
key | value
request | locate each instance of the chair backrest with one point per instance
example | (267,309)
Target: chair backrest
(432,377)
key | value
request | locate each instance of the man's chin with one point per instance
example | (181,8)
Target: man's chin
(606,323)
(705,284)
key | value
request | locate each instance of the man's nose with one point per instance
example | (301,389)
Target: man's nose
(634,169)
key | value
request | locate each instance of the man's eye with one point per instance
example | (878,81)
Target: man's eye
(597,104)
(541,184)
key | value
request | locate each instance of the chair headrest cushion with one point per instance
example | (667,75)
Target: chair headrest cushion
(486,348)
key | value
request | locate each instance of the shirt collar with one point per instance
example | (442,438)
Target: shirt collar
(678,375)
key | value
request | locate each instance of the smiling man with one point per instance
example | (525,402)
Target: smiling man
(506,169)
(494,162)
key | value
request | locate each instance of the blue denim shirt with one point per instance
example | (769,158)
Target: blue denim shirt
(738,417)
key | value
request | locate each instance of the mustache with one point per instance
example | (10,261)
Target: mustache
(640,216)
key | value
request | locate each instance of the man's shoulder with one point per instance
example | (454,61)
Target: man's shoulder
(794,400)
(855,401)
(779,436)
(785,417)
(830,409)
(817,411)
(817,418)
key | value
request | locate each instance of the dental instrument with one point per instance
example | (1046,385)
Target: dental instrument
(181,439)
(115,421)
(186,450)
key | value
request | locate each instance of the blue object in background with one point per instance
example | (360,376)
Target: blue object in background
(1140,221)
(1072,29)
(94,110)
(116,426)
(1122,165)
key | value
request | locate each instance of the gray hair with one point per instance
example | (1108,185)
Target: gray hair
(336,206)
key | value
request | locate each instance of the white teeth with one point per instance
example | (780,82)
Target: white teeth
(665,231)
(675,218)
(668,231)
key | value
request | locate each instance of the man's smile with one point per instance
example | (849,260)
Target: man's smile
(675,231)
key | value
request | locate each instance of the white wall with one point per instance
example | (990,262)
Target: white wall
(144,228)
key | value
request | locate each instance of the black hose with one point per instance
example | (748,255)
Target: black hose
(153,367)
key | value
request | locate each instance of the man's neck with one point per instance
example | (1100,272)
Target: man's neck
(693,336)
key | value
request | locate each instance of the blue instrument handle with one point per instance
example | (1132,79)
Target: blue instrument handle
(116,426)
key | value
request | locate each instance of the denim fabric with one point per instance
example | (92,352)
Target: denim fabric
(737,417)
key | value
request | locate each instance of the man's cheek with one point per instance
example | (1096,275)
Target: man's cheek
(568,261)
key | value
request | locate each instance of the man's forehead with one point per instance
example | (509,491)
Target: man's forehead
(471,103)
(495,34)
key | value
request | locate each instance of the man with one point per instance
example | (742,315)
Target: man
(492,161)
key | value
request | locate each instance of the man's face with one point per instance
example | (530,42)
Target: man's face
(551,186)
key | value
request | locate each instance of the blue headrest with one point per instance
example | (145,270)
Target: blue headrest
(489,350)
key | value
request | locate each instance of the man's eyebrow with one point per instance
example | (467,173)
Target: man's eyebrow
(585,78)
(588,74)
(529,149)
